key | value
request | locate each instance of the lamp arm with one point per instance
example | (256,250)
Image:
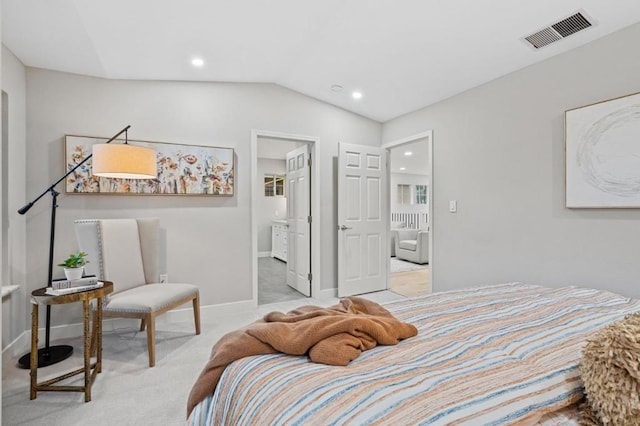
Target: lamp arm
(52,354)
(27,206)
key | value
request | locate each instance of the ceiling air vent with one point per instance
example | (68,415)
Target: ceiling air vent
(559,30)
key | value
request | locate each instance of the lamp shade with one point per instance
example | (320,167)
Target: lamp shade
(124,161)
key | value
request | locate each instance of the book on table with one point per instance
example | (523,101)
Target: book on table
(62,291)
(64,283)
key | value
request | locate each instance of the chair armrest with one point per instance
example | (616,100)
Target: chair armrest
(423,242)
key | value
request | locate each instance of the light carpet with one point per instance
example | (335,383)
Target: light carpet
(397,265)
(128,392)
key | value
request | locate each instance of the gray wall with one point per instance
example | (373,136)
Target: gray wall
(14,306)
(208,240)
(499,151)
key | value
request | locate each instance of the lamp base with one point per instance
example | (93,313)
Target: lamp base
(47,356)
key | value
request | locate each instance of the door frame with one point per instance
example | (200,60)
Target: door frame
(428,135)
(315,206)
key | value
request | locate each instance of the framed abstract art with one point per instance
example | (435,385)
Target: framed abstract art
(182,170)
(602,143)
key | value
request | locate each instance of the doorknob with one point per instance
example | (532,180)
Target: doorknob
(343,228)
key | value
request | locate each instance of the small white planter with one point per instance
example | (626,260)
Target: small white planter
(73,273)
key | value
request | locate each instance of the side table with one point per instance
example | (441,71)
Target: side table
(39,297)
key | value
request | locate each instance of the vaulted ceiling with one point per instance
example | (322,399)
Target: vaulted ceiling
(400,55)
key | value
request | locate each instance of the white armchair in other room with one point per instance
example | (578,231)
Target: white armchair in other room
(394,226)
(125,251)
(412,245)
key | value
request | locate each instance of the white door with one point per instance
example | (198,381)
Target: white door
(298,220)
(362,236)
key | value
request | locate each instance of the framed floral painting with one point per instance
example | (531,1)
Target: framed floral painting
(182,170)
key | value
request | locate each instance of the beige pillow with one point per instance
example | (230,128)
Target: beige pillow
(610,372)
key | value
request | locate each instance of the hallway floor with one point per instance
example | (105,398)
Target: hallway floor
(411,283)
(272,282)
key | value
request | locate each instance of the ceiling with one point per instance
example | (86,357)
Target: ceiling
(400,54)
(416,163)
(276,148)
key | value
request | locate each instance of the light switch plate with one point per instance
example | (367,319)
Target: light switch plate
(453,206)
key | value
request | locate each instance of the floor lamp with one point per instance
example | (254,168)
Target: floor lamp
(111,161)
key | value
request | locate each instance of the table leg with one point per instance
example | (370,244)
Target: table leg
(87,352)
(98,329)
(34,351)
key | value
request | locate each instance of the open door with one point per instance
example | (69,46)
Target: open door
(362,212)
(299,220)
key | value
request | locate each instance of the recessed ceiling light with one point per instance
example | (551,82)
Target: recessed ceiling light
(408,153)
(336,88)
(197,62)
(356,95)
(403,168)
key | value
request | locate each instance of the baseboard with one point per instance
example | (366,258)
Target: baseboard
(264,254)
(328,293)
(16,347)
(206,312)
(22,344)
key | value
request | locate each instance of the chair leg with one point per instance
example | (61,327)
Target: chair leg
(142,324)
(151,339)
(196,312)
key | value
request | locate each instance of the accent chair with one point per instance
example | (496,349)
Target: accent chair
(395,226)
(412,245)
(126,252)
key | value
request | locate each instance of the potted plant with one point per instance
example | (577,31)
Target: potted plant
(74,265)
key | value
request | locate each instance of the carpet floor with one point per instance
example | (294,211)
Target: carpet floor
(397,265)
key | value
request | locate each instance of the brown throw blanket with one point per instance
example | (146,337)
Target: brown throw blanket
(334,336)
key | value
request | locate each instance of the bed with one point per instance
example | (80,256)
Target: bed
(499,354)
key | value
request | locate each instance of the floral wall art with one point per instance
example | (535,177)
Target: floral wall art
(182,170)
(603,154)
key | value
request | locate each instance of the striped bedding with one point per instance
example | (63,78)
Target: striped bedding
(499,354)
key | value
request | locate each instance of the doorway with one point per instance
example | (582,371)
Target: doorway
(282,245)
(410,215)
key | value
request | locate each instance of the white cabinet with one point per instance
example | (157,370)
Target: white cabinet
(279,240)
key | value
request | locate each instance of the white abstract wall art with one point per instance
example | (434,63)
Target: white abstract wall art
(602,143)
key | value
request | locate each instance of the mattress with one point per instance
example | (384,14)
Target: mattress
(499,354)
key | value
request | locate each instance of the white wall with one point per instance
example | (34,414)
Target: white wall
(407,179)
(499,151)
(269,208)
(208,239)
(14,306)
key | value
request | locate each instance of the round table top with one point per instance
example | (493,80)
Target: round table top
(48,299)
